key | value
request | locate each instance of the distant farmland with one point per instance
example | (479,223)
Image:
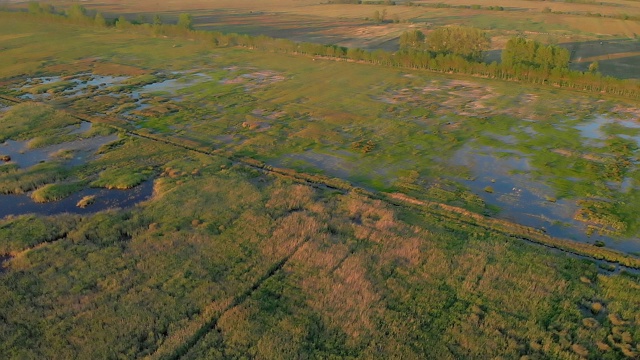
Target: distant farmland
(594,31)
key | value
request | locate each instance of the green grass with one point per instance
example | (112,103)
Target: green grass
(29,179)
(26,231)
(54,192)
(117,178)
(27,121)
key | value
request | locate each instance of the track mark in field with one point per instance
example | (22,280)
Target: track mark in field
(212,324)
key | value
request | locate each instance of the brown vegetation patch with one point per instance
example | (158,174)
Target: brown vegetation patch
(602,346)
(292,231)
(291,198)
(580,350)
(615,320)
(373,213)
(104,68)
(321,258)
(590,323)
(465,98)
(96,66)
(596,308)
(345,296)
(256,80)
(86,201)
(589,157)
(630,111)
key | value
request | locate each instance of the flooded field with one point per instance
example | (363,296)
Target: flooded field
(32,168)
(101,199)
(72,153)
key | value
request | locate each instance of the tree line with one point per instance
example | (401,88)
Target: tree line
(448,50)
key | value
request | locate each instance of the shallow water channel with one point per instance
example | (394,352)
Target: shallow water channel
(81,150)
(21,204)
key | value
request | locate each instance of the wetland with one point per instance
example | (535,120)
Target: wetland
(166,197)
(558,170)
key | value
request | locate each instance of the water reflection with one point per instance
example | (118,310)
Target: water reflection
(502,178)
(81,149)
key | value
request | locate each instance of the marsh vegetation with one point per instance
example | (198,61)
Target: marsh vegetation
(175,198)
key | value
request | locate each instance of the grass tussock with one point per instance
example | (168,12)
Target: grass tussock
(121,178)
(55,192)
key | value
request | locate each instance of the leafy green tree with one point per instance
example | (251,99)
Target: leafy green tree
(122,23)
(33,7)
(37,8)
(100,21)
(76,11)
(520,52)
(185,21)
(157,20)
(467,42)
(378,16)
(561,57)
(544,57)
(412,40)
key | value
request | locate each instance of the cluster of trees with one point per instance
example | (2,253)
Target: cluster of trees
(412,40)
(469,43)
(450,49)
(521,52)
(37,8)
(78,14)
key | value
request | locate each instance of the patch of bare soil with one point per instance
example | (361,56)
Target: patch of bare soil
(97,67)
(256,80)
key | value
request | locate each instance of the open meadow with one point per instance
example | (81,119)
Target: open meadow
(165,197)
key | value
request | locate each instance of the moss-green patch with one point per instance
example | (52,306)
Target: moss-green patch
(28,120)
(54,192)
(121,178)
(8,168)
(26,231)
(28,179)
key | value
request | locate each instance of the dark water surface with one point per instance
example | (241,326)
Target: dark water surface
(20,204)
